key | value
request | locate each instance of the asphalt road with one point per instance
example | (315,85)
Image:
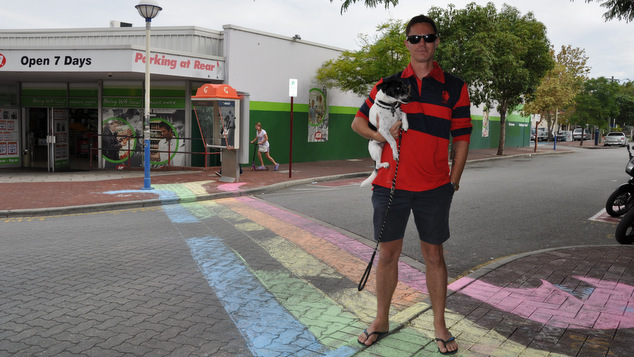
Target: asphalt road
(504,207)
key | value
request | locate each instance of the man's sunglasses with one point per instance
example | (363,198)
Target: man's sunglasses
(429,38)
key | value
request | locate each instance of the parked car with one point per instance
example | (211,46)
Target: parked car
(542,135)
(560,135)
(576,134)
(615,138)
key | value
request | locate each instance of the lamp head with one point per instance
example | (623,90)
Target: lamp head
(148,9)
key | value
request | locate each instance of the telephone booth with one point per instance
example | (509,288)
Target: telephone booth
(218,111)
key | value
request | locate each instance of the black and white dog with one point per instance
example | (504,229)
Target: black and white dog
(386,111)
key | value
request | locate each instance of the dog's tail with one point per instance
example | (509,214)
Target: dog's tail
(371,178)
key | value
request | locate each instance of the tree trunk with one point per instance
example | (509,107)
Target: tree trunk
(583,135)
(502,132)
(537,132)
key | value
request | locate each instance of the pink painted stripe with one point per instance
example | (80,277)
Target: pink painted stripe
(407,274)
(607,306)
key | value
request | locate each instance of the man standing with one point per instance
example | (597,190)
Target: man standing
(439,111)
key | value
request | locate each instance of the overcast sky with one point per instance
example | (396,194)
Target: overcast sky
(608,45)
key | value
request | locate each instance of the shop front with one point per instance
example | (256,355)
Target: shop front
(67,126)
(70,106)
(59,122)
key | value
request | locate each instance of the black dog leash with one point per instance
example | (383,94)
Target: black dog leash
(366,274)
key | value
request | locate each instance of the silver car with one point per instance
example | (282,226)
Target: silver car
(576,134)
(615,138)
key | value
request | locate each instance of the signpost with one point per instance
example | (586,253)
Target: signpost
(292,92)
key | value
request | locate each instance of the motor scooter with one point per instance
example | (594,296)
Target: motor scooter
(625,230)
(622,199)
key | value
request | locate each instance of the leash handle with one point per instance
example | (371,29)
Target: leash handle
(368,269)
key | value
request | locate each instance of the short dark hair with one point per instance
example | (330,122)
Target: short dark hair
(164,125)
(418,20)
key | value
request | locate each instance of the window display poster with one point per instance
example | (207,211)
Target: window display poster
(122,132)
(122,137)
(9,137)
(317,116)
(167,138)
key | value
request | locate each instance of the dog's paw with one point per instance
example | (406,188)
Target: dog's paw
(383,165)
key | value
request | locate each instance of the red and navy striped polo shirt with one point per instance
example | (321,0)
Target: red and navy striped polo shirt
(439,111)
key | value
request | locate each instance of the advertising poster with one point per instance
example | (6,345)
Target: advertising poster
(485,124)
(122,129)
(317,116)
(9,137)
(167,138)
(122,137)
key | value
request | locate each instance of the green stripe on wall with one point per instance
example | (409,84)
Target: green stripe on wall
(286,107)
(277,107)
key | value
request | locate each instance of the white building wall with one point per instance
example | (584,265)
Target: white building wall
(262,64)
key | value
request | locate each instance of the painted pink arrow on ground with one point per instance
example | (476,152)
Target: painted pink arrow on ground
(608,305)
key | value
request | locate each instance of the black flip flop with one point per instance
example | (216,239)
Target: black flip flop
(379,335)
(445,344)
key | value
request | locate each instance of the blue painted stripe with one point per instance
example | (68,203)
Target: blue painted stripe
(179,214)
(268,328)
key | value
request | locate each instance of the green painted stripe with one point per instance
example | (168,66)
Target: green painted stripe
(343,110)
(286,107)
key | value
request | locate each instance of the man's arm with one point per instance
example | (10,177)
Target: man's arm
(459,154)
(361,127)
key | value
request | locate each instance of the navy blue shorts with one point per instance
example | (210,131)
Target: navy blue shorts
(431,213)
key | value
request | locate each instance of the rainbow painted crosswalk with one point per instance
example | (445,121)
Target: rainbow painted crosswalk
(289,284)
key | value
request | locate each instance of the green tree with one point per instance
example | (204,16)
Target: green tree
(625,101)
(617,9)
(596,103)
(368,3)
(378,57)
(502,55)
(558,88)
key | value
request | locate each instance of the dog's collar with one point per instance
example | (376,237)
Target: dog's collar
(391,107)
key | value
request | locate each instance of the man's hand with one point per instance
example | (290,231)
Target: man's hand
(394,130)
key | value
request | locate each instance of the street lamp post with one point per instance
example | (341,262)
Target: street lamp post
(148,9)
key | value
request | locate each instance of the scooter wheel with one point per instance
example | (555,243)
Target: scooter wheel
(625,230)
(620,201)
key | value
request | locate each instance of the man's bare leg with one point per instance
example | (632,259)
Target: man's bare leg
(436,274)
(386,280)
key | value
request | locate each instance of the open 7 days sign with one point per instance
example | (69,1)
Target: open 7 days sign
(112,60)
